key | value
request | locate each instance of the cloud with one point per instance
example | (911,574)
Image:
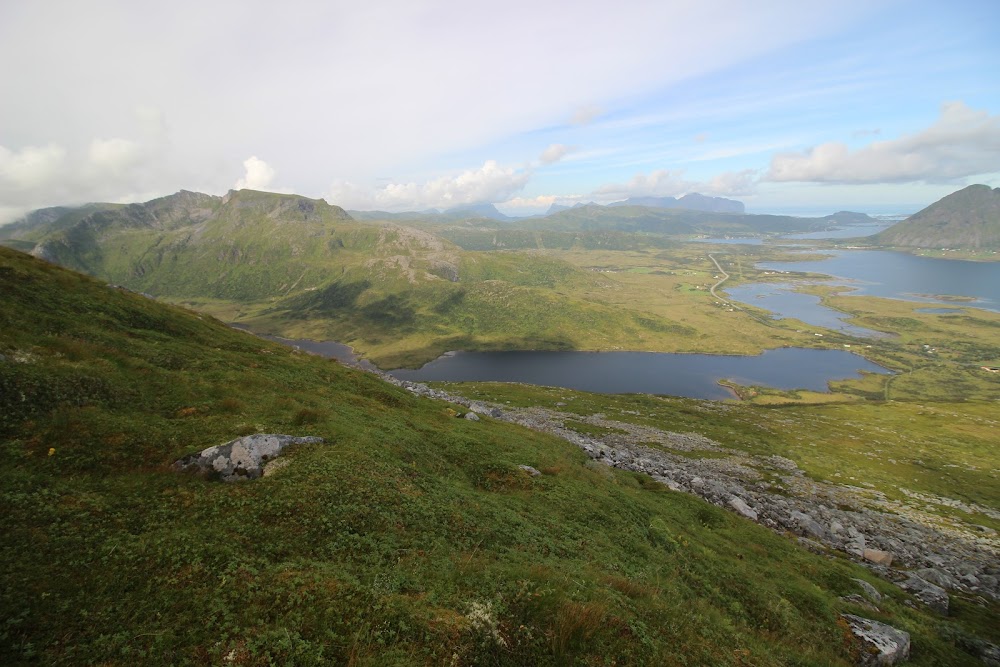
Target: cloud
(113,169)
(555,152)
(962,142)
(658,183)
(113,155)
(422,85)
(258,175)
(740,183)
(586,114)
(672,183)
(487,184)
(30,169)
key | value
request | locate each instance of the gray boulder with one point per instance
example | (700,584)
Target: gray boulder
(870,591)
(240,459)
(472,416)
(860,601)
(531,471)
(930,594)
(937,577)
(988,654)
(740,506)
(807,524)
(881,644)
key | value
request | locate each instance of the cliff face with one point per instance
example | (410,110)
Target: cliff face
(969,218)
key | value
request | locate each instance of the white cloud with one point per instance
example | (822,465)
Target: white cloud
(962,142)
(672,183)
(366,88)
(555,152)
(733,183)
(115,169)
(516,206)
(586,114)
(487,184)
(658,183)
(113,155)
(258,175)
(30,169)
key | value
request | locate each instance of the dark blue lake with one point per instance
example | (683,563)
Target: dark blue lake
(784,302)
(691,375)
(898,275)
(846,232)
(738,240)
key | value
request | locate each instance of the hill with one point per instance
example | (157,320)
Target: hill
(691,201)
(452,216)
(408,538)
(300,267)
(677,221)
(967,219)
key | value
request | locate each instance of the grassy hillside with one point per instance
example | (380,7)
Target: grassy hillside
(967,219)
(673,222)
(410,537)
(302,268)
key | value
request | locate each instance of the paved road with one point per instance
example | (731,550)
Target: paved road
(725,277)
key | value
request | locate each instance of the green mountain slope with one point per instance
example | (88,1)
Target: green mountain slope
(677,221)
(300,267)
(409,538)
(967,219)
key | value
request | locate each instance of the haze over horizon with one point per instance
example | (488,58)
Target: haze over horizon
(877,106)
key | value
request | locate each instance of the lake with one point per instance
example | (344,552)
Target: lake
(898,275)
(691,375)
(736,240)
(321,348)
(846,232)
(783,302)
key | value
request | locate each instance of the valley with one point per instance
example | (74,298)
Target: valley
(464,334)
(897,460)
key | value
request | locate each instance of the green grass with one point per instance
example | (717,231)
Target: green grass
(945,449)
(410,537)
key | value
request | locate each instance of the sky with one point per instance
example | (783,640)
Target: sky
(881,106)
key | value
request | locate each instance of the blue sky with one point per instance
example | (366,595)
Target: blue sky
(788,106)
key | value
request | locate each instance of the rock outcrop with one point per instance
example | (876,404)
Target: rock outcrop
(930,594)
(240,459)
(879,532)
(881,644)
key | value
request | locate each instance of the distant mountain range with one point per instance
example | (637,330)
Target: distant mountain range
(466,212)
(692,202)
(967,219)
(679,221)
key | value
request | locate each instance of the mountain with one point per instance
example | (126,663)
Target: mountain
(594,217)
(460,214)
(967,219)
(300,267)
(191,244)
(678,221)
(477,211)
(555,208)
(408,537)
(692,202)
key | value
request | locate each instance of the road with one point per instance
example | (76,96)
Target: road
(725,277)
